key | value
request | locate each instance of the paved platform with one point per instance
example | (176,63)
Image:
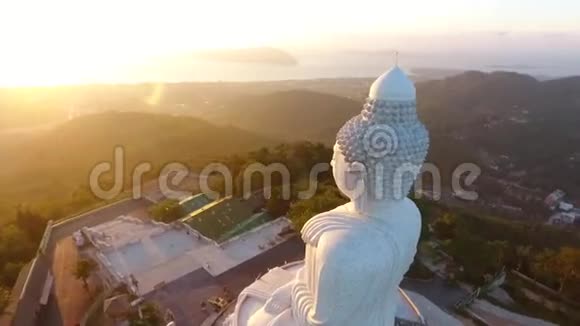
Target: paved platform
(155,254)
(69,300)
(243,248)
(184,295)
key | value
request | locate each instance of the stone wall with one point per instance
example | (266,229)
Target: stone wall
(25,300)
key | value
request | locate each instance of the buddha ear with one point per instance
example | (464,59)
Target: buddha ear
(358,169)
(356,176)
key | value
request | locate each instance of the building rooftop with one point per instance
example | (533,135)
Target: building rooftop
(130,247)
(183,296)
(155,254)
(226,218)
(194,203)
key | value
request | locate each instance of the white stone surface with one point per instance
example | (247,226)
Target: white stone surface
(393,85)
(356,255)
(130,246)
(217,260)
(255,296)
(432,314)
(502,296)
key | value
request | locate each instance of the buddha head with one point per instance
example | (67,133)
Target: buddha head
(379,153)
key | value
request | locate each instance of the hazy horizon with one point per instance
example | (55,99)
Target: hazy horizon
(70,42)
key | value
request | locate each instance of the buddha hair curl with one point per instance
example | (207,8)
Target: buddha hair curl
(390,141)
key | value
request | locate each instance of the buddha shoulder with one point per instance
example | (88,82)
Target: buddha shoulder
(355,253)
(345,238)
(328,223)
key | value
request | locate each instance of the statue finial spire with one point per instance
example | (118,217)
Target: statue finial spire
(396,58)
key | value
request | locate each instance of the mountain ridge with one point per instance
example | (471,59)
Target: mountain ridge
(472,117)
(46,168)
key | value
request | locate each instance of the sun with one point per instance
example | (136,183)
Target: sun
(72,42)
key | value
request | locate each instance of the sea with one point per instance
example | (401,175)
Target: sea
(351,65)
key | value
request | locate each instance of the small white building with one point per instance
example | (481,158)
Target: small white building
(564,206)
(562,218)
(553,199)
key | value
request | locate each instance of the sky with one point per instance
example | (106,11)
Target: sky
(53,41)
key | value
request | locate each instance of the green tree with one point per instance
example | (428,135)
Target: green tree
(166,211)
(496,252)
(566,266)
(15,246)
(470,252)
(444,226)
(16,249)
(149,316)
(10,273)
(542,262)
(81,197)
(327,198)
(83,271)
(32,223)
(277,205)
(262,155)
(424,208)
(522,254)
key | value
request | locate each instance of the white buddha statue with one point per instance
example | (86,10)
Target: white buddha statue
(356,254)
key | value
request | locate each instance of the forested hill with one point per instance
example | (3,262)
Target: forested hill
(291,115)
(511,122)
(508,121)
(48,166)
(473,97)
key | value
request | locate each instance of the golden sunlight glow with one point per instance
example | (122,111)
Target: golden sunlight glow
(84,41)
(70,41)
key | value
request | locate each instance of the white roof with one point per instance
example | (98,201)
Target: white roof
(566,206)
(393,85)
(155,253)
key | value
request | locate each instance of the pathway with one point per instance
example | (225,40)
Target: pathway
(69,295)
